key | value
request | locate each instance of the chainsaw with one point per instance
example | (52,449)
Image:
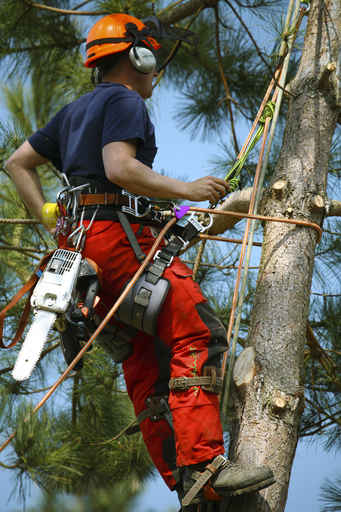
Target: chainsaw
(51,298)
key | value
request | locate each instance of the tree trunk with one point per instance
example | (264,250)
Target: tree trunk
(269,403)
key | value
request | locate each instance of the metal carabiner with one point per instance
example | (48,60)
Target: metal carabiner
(82,230)
(201,225)
(133,206)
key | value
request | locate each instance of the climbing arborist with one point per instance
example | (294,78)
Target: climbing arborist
(104,143)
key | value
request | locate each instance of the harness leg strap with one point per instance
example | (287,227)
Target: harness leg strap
(131,236)
(202,479)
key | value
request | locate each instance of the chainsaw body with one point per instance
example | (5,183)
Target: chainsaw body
(51,297)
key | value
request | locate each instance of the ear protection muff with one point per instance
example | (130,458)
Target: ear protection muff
(142,59)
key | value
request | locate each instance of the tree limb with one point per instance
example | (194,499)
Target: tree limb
(239,201)
(183,11)
(334,209)
(64,11)
(167,17)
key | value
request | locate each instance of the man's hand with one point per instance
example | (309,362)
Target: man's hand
(208,188)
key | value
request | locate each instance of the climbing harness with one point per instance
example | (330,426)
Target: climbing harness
(142,306)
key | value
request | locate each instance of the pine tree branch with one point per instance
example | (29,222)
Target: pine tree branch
(224,80)
(75,399)
(6,466)
(169,7)
(319,427)
(259,52)
(174,50)
(215,265)
(239,202)
(79,6)
(320,410)
(327,294)
(19,221)
(332,232)
(334,209)
(44,353)
(27,250)
(242,22)
(65,11)
(183,11)
(175,14)
(10,51)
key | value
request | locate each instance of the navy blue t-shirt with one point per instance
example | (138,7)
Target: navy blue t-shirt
(74,138)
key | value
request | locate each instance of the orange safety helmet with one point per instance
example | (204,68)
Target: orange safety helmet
(115,33)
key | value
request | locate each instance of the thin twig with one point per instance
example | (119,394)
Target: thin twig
(259,52)
(216,265)
(174,50)
(322,411)
(44,353)
(6,466)
(327,294)
(64,11)
(79,6)
(223,77)
(18,248)
(19,221)
(169,7)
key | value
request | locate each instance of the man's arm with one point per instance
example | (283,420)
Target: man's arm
(21,167)
(123,169)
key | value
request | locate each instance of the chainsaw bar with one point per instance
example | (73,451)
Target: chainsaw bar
(33,345)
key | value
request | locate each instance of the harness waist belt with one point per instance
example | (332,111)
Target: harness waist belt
(107,198)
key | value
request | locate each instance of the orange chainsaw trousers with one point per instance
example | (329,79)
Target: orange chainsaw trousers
(189,336)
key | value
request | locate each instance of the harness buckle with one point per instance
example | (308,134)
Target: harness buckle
(201,224)
(134,202)
(157,256)
(181,384)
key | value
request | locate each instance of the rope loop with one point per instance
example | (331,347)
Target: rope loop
(268,111)
(234,183)
(305,4)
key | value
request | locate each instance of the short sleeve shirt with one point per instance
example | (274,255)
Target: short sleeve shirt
(74,138)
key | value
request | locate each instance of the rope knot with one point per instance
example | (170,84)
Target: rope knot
(268,111)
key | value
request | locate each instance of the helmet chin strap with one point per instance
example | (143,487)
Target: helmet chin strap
(96,76)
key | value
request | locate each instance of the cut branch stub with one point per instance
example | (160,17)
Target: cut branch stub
(318,202)
(278,188)
(245,368)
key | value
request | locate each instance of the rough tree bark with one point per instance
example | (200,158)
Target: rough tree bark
(269,400)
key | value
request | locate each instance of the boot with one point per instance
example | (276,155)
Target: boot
(221,477)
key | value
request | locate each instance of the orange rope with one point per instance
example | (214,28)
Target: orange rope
(244,245)
(298,222)
(225,239)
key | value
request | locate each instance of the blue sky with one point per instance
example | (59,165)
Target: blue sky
(182,156)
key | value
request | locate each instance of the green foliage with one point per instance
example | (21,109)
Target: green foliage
(138,8)
(69,448)
(31,34)
(196,72)
(331,496)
